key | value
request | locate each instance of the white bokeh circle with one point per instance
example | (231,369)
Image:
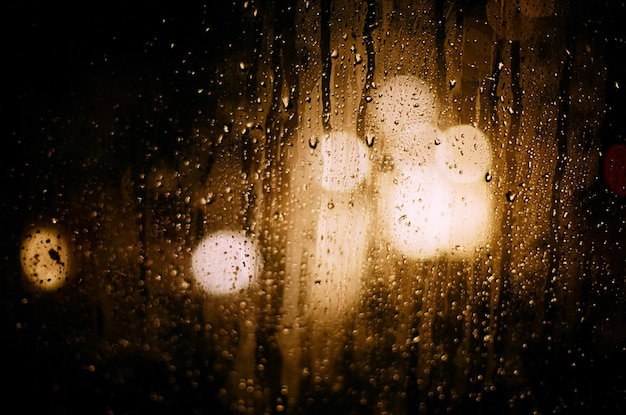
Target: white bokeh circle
(226,262)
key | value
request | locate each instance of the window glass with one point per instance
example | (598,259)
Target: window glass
(304,207)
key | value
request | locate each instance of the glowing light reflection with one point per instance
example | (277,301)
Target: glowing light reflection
(433,200)
(226,262)
(345,161)
(415,212)
(341,253)
(464,154)
(45,258)
(404,100)
(414,146)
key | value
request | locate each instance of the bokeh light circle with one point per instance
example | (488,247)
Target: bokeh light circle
(45,258)
(226,262)
(464,154)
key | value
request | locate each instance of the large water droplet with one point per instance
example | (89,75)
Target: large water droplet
(511,195)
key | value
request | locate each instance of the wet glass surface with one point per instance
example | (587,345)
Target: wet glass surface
(379,207)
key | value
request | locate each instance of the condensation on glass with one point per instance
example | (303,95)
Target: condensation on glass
(325,207)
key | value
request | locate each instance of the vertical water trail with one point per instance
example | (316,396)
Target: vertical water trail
(272,94)
(325,22)
(246,376)
(557,202)
(440,42)
(512,144)
(492,121)
(369,25)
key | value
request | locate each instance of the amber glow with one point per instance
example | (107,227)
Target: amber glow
(345,161)
(434,198)
(464,154)
(417,188)
(45,258)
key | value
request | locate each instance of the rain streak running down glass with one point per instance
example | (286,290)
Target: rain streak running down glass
(305,207)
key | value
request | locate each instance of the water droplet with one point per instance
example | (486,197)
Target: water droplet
(313,142)
(358,58)
(510,196)
(452,83)
(334,54)
(210,198)
(369,139)
(488,177)
(331,205)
